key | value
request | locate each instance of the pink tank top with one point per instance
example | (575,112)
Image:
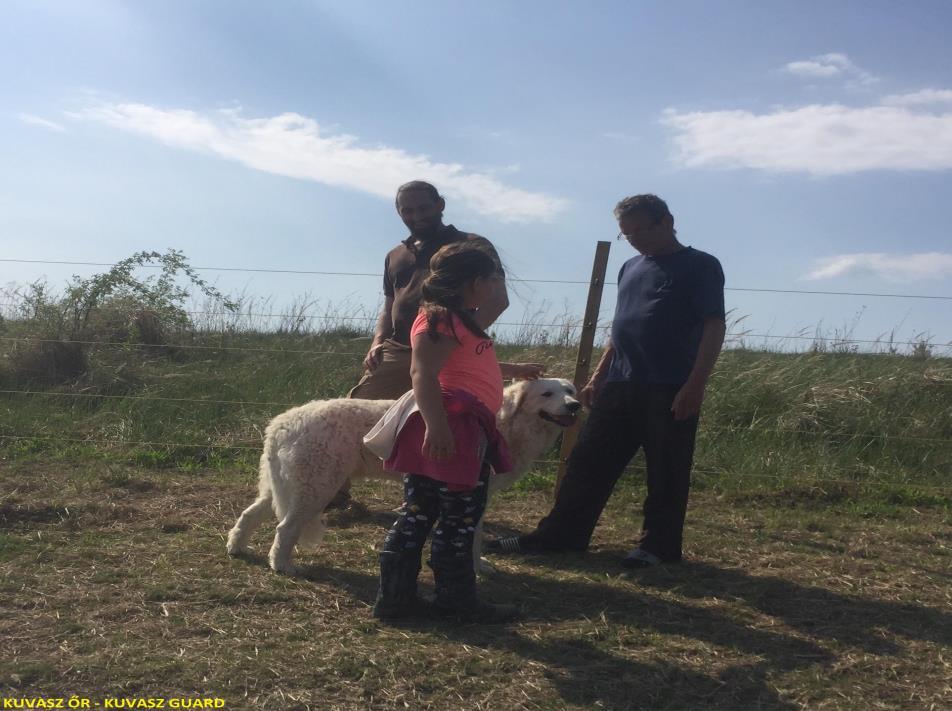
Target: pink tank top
(472,366)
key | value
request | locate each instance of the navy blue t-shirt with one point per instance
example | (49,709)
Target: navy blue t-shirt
(662,304)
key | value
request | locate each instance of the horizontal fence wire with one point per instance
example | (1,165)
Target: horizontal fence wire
(630,467)
(533,281)
(250,446)
(147,398)
(184,346)
(712,429)
(298,317)
(601,325)
(252,349)
(746,475)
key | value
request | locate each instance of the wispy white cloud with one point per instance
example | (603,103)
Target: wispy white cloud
(296,146)
(923,97)
(892,267)
(821,139)
(38,121)
(828,66)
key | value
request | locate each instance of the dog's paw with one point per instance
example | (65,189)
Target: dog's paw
(292,571)
(286,569)
(234,548)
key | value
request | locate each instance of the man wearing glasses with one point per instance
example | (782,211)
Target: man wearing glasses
(646,392)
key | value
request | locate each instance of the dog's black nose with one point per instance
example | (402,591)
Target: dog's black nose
(573,406)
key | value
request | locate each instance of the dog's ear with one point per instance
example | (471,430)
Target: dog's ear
(518,392)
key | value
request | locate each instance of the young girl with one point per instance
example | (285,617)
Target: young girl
(450,443)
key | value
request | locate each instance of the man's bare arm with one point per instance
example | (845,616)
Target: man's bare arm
(594,385)
(383,329)
(687,403)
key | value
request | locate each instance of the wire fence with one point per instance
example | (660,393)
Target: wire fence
(734,429)
(736,336)
(297,319)
(697,471)
(310,272)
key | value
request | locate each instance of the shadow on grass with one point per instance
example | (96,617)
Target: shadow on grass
(357,513)
(814,611)
(600,674)
(590,662)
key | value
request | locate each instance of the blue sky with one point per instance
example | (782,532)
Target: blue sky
(807,145)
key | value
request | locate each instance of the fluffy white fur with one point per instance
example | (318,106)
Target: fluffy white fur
(311,450)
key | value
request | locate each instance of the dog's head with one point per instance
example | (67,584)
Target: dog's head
(552,399)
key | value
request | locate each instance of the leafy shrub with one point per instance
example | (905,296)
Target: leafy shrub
(118,305)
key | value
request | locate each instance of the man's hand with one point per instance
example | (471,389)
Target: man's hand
(687,403)
(589,393)
(374,357)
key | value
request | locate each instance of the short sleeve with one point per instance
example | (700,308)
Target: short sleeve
(708,295)
(443,327)
(387,280)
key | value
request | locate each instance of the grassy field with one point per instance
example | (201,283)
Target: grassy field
(819,546)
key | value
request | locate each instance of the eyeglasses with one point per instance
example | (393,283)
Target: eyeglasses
(636,233)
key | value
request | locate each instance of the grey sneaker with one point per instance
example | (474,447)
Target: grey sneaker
(638,559)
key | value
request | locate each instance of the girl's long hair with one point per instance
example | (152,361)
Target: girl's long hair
(452,267)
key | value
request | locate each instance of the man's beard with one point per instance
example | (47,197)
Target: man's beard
(428,233)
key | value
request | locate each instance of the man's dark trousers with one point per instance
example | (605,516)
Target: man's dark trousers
(625,417)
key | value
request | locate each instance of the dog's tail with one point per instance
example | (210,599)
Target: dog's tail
(269,474)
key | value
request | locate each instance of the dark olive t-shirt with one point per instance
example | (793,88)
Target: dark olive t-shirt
(405,268)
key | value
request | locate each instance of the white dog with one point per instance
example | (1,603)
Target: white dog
(311,450)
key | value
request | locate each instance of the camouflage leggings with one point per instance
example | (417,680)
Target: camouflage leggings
(453,516)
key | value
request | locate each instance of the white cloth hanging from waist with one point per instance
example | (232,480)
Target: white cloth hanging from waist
(382,437)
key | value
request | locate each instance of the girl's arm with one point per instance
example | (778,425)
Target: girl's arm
(426,360)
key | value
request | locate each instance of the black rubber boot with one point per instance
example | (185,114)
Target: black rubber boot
(397,596)
(456,596)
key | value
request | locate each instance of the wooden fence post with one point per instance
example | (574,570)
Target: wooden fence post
(587,340)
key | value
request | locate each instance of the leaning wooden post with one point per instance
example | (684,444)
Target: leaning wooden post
(584,360)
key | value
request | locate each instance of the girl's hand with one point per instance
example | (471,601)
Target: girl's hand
(438,443)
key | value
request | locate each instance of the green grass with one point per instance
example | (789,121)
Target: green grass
(845,424)
(819,541)
(131,593)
